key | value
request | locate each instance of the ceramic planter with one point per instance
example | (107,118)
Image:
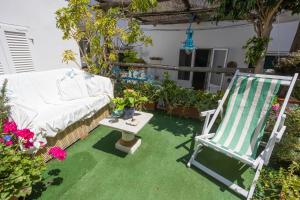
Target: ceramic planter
(128,112)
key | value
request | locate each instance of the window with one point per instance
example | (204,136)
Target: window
(185,60)
(16,51)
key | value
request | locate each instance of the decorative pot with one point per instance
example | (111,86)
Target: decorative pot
(128,112)
(117,113)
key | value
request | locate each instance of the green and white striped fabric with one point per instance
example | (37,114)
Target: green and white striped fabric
(248,107)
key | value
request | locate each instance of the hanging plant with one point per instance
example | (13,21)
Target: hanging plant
(256,48)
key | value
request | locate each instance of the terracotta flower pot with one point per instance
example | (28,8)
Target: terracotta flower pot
(188,112)
(150,106)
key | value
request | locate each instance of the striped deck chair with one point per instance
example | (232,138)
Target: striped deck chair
(249,99)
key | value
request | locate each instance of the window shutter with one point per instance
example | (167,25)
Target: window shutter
(1,68)
(16,49)
(20,51)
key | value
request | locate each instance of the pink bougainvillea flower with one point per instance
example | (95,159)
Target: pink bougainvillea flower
(6,142)
(276,107)
(28,144)
(57,153)
(9,143)
(25,134)
(9,127)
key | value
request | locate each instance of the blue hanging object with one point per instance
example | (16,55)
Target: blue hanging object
(189,43)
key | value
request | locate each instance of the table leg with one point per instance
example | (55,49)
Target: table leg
(128,143)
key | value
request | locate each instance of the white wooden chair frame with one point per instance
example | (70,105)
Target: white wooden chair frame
(263,158)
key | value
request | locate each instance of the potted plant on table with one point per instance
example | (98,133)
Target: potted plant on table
(125,106)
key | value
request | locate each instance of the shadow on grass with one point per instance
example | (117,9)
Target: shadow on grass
(41,186)
(65,174)
(176,125)
(227,167)
(107,144)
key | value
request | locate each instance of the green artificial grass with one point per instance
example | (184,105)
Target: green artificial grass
(94,169)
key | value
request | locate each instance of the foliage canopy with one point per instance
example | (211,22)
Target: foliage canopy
(101,31)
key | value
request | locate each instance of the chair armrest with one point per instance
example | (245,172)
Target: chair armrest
(280,133)
(208,112)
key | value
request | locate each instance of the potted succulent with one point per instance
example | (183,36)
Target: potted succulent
(127,104)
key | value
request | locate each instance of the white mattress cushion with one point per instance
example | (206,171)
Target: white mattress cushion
(55,118)
(37,105)
(97,85)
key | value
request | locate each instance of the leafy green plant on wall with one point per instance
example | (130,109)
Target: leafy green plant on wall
(101,31)
(256,48)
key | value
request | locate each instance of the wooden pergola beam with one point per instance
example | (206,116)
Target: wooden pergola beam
(173,12)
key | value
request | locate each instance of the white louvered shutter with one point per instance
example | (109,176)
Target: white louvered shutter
(20,51)
(17,49)
(1,68)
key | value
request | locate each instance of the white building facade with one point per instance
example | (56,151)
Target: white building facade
(29,39)
(224,43)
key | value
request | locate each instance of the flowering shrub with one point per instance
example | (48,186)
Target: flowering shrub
(58,153)
(20,167)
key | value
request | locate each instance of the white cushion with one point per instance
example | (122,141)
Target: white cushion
(72,87)
(55,118)
(98,85)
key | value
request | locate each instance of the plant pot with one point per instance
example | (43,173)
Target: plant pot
(128,112)
(150,106)
(188,112)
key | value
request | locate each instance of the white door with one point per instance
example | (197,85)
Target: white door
(16,49)
(218,60)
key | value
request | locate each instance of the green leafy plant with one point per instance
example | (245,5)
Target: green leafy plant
(169,91)
(131,56)
(256,48)
(279,184)
(4,108)
(130,99)
(296,91)
(207,100)
(174,95)
(289,65)
(18,172)
(99,28)
(288,150)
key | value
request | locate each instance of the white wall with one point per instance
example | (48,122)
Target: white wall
(39,17)
(167,40)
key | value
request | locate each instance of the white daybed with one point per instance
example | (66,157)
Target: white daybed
(59,106)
